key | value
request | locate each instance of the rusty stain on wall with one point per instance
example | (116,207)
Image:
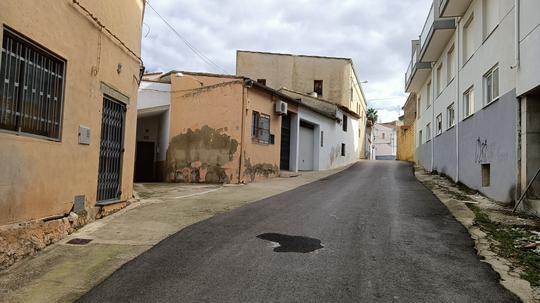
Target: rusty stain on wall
(200,156)
(259,169)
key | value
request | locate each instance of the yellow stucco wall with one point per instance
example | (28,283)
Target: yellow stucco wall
(39,178)
(210,132)
(405,143)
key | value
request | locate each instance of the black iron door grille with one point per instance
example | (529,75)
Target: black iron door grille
(111,151)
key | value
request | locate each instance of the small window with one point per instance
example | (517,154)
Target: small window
(491,85)
(450,115)
(439,124)
(439,79)
(420,138)
(419,106)
(343,149)
(382,135)
(428,131)
(486,175)
(428,94)
(322,138)
(261,81)
(468,39)
(260,130)
(345,122)
(450,65)
(468,103)
(32,88)
(318,87)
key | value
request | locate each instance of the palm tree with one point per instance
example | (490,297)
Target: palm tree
(372,116)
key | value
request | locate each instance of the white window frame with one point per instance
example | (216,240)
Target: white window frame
(450,115)
(450,62)
(428,90)
(428,131)
(439,79)
(439,121)
(468,102)
(468,38)
(492,85)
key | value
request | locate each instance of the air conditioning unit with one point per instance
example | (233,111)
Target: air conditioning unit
(281,107)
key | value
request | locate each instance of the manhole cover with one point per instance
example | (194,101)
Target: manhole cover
(79,241)
(287,243)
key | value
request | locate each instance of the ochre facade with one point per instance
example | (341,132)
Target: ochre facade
(211,131)
(40,177)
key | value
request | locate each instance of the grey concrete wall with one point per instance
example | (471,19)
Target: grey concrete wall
(533,144)
(489,136)
(423,155)
(444,156)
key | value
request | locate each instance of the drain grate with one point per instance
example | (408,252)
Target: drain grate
(287,243)
(79,241)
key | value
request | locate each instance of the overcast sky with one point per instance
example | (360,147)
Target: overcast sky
(376,34)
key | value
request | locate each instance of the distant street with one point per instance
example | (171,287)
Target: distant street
(371,233)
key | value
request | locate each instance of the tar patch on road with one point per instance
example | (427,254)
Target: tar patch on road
(297,244)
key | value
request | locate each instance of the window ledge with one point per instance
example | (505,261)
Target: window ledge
(30,136)
(491,102)
(449,128)
(467,117)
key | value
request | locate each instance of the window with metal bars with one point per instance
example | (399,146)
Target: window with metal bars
(260,129)
(31,88)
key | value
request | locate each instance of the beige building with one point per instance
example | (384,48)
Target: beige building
(330,78)
(212,129)
(69,76)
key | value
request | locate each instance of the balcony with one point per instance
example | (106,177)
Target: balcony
(453,8)
(417,72)
(435,35)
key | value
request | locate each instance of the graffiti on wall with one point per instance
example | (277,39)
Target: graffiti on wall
(481,152)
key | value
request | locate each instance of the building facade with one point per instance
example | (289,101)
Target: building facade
(385,141)
(329,78)
(406,132)
(471,93)
(69,72)
(200,127)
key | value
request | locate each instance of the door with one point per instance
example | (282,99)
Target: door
(285,151)
(111,150)
(144,161)
(307,139)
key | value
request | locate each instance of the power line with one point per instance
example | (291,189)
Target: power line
(380,99)
(186,42)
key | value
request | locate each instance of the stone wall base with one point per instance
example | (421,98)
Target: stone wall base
(21,240)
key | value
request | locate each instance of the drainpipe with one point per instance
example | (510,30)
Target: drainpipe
(243,118)
(517,7)
(432,128)
(457,115)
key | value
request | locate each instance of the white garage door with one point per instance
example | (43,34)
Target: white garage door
(306,148)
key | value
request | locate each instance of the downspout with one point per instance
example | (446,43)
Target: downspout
(432,128)
(243,118)
(517,29)
(458,95)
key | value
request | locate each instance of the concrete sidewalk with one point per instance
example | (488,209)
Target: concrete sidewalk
(63,272)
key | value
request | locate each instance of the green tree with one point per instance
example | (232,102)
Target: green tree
(372,116)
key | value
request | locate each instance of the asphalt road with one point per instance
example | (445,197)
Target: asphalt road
(371,233)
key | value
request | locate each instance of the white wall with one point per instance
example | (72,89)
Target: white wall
(384,140)
(529,70)
(153,94)
(329,154)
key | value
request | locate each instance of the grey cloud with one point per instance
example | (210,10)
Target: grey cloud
(375,34)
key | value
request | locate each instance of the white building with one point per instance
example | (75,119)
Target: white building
(384,141)
(328,135)
(476,73)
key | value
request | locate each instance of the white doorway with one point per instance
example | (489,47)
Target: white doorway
(306,146)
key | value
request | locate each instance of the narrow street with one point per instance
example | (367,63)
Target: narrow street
(371,233)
